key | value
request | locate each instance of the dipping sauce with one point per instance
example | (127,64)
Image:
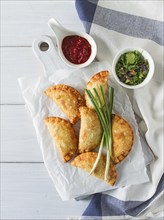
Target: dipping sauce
(76,49)
(132,68)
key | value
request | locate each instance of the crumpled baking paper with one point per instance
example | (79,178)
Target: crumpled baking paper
(72,182)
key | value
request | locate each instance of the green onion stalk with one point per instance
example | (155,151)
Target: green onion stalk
(104,112)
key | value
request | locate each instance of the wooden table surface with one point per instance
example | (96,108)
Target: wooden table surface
(27,192)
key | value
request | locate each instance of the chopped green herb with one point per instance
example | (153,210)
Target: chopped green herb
(132,68)
(130,58)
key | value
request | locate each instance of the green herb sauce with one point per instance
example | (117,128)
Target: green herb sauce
(132,68)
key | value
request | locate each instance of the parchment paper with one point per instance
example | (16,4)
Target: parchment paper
(71,182)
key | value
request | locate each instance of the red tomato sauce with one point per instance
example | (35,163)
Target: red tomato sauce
(76,49)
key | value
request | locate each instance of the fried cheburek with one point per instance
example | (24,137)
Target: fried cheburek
(68,100)
(99,79)
(63,136)
(86,161)
(122,135)
(90,130)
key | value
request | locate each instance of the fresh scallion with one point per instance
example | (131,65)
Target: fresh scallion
(99,155)
(104,112)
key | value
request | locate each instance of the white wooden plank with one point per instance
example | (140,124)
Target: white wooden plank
(18,139)
(23,21)
(27,192)
(16,62)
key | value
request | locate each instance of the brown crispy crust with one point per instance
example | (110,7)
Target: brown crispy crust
(71,149)
(123,138)
(86,161)
(98,76)
(56,120)
(98,79)
(90,130)
(69,90)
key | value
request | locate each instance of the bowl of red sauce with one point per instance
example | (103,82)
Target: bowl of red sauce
(76,49)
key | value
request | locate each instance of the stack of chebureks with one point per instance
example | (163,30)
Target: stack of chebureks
(80,149)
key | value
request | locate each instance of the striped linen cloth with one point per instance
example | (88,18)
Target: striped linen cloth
(116,25)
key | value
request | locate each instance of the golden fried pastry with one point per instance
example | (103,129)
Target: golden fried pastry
(90,130)
(68,100)
(100,79)
(63,136)
(122,135)
(86,161)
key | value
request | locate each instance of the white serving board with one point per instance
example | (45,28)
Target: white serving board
(69,181)
(49,58)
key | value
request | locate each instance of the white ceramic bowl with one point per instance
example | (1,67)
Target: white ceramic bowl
(149,76)
(90,59)
(61,32)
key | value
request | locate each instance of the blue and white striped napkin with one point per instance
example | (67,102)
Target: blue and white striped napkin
(116,25)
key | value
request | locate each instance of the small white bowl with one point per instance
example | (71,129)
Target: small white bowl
(149,76)
(61,32)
